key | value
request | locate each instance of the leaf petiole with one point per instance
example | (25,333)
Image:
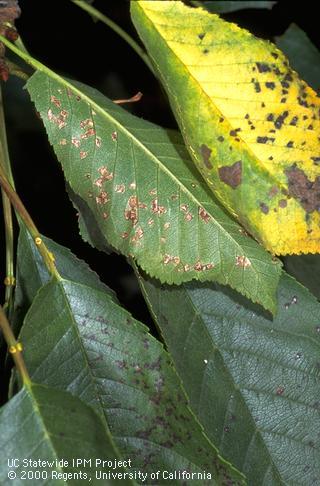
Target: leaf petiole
(7,213)
(14,347)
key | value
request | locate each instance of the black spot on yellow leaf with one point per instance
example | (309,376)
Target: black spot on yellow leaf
(280,120)
(270,85)
(257,87)
(265,139)
(285,84)
(294,121)
(263,67)
(231,174)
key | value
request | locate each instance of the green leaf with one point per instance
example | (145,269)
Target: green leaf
(303,54)
(32,274)
(220,7)
(253,382)
(138,187)
(77,338)
(306,269)
(250,123)
(44,424)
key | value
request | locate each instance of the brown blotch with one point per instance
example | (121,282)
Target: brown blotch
(206,153)
(304,190)
(231,174)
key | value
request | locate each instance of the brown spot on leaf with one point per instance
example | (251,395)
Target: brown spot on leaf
(102,198)
(156,208)
(203,215)
(83,154)
(87,123)
(138,235)
(75,141)
(206,153)
(242,261)
(55,101)
(231,174)
(304,190)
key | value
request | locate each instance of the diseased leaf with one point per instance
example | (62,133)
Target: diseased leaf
(77,338)
(253,382)
(224,6)
(134,185)
(251,125)
(44,424)
(303,55)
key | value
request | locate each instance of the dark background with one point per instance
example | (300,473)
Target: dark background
(65,38)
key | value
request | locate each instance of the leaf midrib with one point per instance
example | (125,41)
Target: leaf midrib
(36,408)
(217,349)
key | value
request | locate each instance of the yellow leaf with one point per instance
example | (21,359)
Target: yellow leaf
(250,123)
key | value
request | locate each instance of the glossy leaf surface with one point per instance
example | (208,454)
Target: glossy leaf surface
(253,382)
(77,338)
